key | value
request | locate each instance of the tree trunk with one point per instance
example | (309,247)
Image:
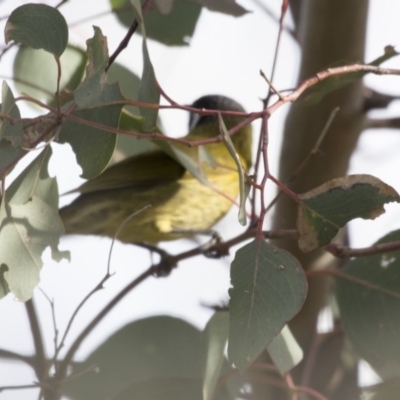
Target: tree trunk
(331,32)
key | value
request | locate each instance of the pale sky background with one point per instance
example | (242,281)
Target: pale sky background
(207,66)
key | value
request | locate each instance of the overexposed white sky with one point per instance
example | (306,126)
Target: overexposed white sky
(225,57)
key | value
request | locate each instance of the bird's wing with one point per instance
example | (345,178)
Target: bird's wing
(142,172)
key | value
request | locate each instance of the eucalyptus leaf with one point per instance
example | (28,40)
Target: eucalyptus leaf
(230,7)
(38,26)
(369,307)
(153,358)
(93,145)
(169,22)
(244,189)
(11,133)
(269,287)
(214,338)
(324,210)
(92,86)
(285,351)
(29,224)
(35,73)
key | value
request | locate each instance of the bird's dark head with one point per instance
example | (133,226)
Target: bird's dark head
(212,102)
(242,139)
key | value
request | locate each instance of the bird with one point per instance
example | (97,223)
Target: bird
(179,205)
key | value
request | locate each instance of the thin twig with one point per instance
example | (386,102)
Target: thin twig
(19,387)
(125,41)
(98,287)
(53,315)
(342,275)
(120,227)
(262,148)
(64,364)
(270,84)
(275,18)
(313,152)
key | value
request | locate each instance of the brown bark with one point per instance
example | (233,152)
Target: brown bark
(330,32)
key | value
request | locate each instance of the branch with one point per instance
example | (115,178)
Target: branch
(19,387)
(388,123)
(39,365)
(375,99)
(321,76)
(347,252)
(11,355)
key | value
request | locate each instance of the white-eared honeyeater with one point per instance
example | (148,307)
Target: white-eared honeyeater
(179,201)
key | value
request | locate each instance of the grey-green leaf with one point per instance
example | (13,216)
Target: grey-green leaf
(38,26)
(97,54)
(35,73)
(10,132)
(214,339)
(153,358)
(29,224)
(244,189)
(170,23)
(285,351)
(229,7)
(268,289)
(93,145)
(325,209)
(369,308)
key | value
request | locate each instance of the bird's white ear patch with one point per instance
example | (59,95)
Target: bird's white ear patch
(164,225)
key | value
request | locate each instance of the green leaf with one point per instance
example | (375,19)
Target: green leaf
(130,119)
(153,358)
(92,145)
(35,73)
(229,7)
(285,351)
(148,91)
(215,338)
(11,135)
(10,132)
(91,88)
(8,154)
(268,289)
(369,308)
(129,83)
(129,145)
(325,209)
(184,159)
(38,26)
(29,224)
(169,22)
(244,189)
(383,391)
